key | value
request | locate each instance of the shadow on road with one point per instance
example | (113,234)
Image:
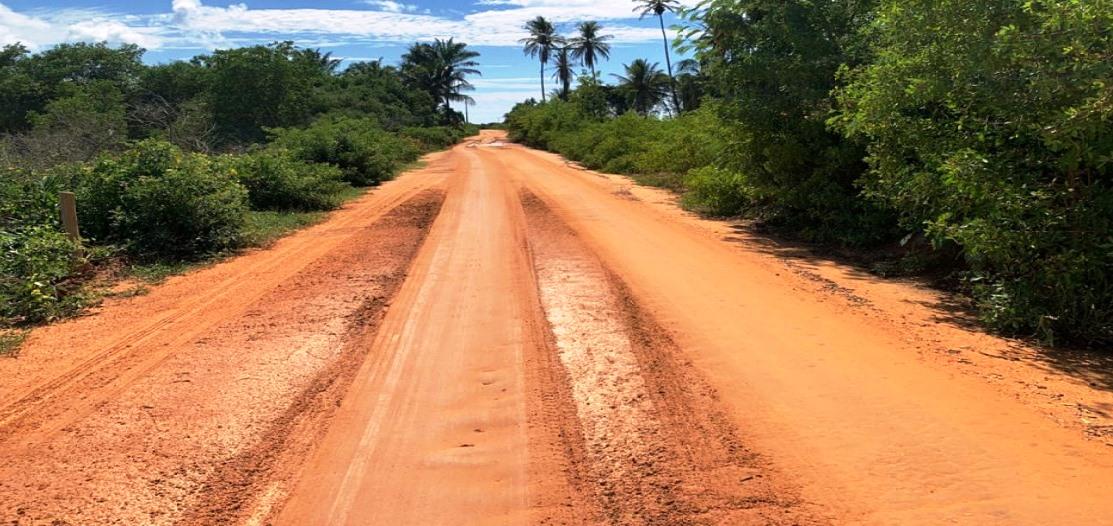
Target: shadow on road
(1091,365)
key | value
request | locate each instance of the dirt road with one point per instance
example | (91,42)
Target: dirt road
(503,338)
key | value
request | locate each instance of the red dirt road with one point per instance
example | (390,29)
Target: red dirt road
(503,338)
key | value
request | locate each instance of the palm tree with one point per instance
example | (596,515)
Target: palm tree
(441,69)
(563,72)
(690,84)
(541,43)
(659,7)
(324,61)
(590,46)
(645,85)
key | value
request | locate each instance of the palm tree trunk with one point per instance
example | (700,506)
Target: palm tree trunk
(668,64)
(593,75)
(542,81)
(466,119)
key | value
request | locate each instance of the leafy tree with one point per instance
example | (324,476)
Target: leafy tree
(645,85)
(373,90)
(988,126)
(773,64)
(588,46)
(175,82)
(80,63)
(19,92)
(659,8)
(29,82)
(83,122)
(563,71)
(260,87)
(542,41)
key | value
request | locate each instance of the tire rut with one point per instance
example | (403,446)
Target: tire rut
(246,488)
(113,367)
(658,449)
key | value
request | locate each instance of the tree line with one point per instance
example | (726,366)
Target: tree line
(193,159)
(974,136)
(643,88)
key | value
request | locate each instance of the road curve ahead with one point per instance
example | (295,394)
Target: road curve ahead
(502,337)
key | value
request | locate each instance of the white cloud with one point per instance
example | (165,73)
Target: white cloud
(391,6)
(16,27)
(112,31)
(191,23)
(52,27)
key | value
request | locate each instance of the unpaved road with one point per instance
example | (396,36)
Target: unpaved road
(503,338)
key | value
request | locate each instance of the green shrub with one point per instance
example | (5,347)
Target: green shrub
(992,130)
(716,192)
(276,181)
(773,76)
(158,202)
(434,138)
(366,154)
(37,266)
(37,261)
(693,140)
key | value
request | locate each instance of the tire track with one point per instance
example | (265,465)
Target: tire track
(659,449)
(29,419)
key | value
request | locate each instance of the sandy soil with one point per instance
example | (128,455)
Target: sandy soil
(503,338)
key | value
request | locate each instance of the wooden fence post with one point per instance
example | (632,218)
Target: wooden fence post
(68,203)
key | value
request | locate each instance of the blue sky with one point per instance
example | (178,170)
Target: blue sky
(350,29)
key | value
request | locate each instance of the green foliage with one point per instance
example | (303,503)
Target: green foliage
(773,66)
(85,120)
(375,91)
(176,82)
(36,264)
(259,87)
(644,85)
(629,144)
(37,261)
(68,115)
(988,125)
(276,181)
(366,154)
(158,202)
(441,68)
(436,138)
(716,191)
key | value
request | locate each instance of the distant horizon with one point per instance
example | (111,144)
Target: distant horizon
(352,30)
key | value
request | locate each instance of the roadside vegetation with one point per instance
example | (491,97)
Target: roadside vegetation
(977,135)
(175,164)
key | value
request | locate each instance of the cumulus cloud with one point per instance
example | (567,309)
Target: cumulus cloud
(391,6)
(16,27)
(112,31)
(191,23)
(63,25)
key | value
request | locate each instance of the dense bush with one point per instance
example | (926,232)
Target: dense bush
(992,130)
(716,191)
(276,181)
(94,119)
(37,261)
(628,144)
(159,202)
(37,264)
(982,126)
(434,138)
(774,72)
(366,154)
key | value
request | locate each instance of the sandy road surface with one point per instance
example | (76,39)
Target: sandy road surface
(502,338)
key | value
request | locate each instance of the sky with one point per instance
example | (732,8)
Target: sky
(352,30)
